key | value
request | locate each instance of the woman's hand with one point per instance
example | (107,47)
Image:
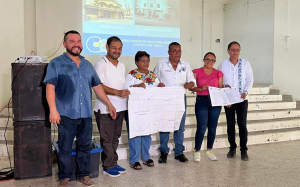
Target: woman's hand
(140,85)
(161,84)
(205,87)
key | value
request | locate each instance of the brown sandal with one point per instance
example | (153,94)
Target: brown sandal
(148,163)
(135,166)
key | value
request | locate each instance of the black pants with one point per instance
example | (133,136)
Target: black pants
(241,110)
(110,132)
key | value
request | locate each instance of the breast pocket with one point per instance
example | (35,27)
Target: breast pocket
(183,76)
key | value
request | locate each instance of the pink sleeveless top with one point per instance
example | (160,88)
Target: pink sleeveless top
(209,80)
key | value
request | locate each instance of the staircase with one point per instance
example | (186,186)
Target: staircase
(272,117)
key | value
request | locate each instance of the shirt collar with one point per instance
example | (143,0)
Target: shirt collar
(106,60)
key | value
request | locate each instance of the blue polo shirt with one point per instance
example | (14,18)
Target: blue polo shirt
(73,93)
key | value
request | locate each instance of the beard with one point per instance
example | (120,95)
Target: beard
(114,56)
(72,53)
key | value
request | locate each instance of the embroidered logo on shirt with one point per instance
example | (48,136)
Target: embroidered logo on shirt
(183,69)
(167,70)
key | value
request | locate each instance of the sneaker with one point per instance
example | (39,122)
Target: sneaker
(111,172)
(244,156)
(197,156)
(86,181)
(63,183)
(231,153)
(163,157)
(210,155)
(120,169)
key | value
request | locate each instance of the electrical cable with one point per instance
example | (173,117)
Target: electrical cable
(56,50)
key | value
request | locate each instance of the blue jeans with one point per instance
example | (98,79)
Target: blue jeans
(178,137)
(67,129)
(137,145)
(207,117)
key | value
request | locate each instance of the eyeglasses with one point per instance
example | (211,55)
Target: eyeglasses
(174,51)
(209,60)
(235,50)
(144,61)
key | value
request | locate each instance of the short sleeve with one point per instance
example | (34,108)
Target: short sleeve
(220,74)
(51,75)
(129,81)
(196,71)
(95,78)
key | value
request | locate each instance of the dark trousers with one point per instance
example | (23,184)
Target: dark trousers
(241,110)
(207,117)
(110,132)
(67,129)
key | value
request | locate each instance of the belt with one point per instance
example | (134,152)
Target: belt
(203,96)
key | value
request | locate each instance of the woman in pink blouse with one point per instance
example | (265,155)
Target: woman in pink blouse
(207,116)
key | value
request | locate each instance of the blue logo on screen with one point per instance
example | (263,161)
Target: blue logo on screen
(95,44)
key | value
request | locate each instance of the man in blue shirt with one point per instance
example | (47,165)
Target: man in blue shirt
(69,80)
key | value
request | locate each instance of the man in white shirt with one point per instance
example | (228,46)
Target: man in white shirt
(112,74)
(237,73)
(174,72)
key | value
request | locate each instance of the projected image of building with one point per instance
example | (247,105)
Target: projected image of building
(163,13)
(110,11)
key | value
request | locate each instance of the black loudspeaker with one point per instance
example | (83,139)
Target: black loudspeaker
(29,92)
(32,149)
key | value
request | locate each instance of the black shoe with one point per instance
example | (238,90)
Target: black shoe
(181,158)
(231,153)
(163,157)
(244,156)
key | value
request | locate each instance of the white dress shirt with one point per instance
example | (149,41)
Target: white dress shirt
(114,77)
(231,75)
(174,78)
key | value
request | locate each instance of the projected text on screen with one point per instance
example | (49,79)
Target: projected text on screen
(142,25)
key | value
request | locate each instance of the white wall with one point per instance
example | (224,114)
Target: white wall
(286,46)
(12,43)
(213,16)
(251,23)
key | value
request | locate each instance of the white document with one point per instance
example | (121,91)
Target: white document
(154,110)
(224,96)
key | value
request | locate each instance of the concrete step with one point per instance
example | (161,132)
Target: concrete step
(191,118)
(190,130)
(257,137)
(221,141)
(257,89)
(287,103)
(253,126)
(251,98)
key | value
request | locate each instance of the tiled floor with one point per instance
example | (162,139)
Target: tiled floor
(273,165)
